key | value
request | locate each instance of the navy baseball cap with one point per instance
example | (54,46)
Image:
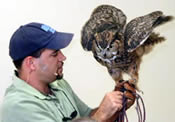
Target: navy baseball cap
(34,36)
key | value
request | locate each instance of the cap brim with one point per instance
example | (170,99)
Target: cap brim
(60,40)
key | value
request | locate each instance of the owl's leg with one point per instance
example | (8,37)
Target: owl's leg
(116,74)
(133,72)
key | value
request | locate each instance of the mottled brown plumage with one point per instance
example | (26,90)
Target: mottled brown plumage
(120,46)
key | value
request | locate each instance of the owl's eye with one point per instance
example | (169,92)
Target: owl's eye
(110,46)
(104,55)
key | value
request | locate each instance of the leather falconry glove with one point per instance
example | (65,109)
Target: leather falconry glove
(129,92)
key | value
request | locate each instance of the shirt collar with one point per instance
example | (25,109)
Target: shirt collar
(24,87)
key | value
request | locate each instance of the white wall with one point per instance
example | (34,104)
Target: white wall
(88,78)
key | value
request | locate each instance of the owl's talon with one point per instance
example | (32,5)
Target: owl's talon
(120,81)
(133,81)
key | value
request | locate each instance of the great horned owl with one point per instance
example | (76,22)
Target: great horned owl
(120,46)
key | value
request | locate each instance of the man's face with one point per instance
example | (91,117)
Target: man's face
(50,65)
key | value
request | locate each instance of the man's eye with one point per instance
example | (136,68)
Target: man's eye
(54,54)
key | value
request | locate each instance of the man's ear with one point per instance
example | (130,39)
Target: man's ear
(30,62)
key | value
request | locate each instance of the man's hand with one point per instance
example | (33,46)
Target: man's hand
(129,92)
(111,103)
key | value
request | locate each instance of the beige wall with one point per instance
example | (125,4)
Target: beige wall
(88,78)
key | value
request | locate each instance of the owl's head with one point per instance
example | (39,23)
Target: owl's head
(107,45)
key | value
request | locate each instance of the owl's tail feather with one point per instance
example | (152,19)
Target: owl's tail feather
(148,45)
(153,39)
(162,19)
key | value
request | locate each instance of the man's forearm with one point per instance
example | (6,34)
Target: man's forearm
(100,119)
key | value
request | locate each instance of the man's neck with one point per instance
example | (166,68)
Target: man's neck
(41,87)
(35,83)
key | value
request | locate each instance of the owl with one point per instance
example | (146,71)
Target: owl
(118,45)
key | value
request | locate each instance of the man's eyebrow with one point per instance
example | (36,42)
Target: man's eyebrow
(55,51)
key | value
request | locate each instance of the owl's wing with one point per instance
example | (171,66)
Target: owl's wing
(139,29)
(102,18)
(110,13)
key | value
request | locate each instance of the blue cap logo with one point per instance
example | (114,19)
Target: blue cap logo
(47,28)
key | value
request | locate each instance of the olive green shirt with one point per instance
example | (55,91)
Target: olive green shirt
(23,103)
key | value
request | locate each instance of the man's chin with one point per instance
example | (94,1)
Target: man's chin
(59,77)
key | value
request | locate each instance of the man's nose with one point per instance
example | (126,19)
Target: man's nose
(61,56)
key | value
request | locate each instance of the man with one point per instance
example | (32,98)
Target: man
(39,93)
